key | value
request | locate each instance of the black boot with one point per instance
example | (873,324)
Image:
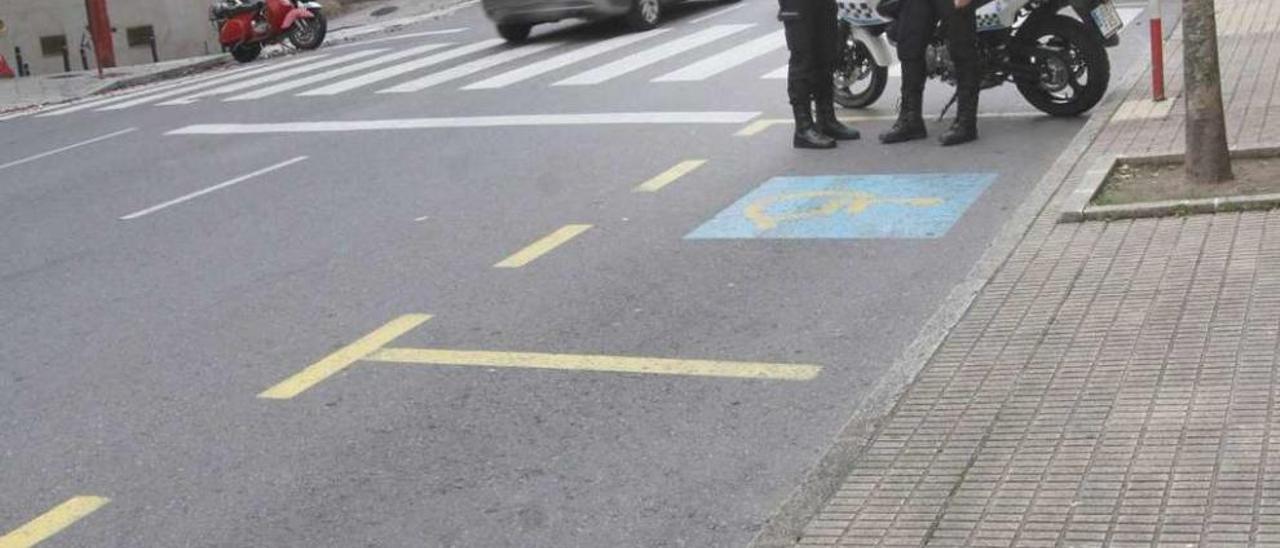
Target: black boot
(965,128)
(910,124)
(830,126)
(807,134)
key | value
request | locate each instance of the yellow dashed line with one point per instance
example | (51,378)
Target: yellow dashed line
(669,176)
(52,522)
(543,246)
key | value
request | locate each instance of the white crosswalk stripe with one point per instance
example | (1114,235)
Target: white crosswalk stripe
(563,60)
(274,76)
(652,55)
(777,74)
(727,59)
(209,79)
(402,68)
(235,75)
(331,74)
(468,69)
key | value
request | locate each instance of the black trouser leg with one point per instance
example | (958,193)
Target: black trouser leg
(802,20)
(916,24)
(827,42)
(962,42)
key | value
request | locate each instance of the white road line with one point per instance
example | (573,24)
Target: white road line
(402,68)
(213,82)
(717,13)
(779,74)
(467,69)
(727,59)
(560,61)
(329,75)
(399,37)
(526,120)
(1129,14)
(29,159)
(213,188)
(274,76)
(652,55)
(148,90)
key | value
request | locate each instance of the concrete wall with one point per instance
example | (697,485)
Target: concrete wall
(181,27)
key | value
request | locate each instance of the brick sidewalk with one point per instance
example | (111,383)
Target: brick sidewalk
(1114,383)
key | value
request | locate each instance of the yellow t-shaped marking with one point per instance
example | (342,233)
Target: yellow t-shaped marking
(372,347)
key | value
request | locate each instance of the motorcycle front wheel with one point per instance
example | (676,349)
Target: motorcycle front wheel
(308,33)
(1073,66)
(246,53)
(859,80)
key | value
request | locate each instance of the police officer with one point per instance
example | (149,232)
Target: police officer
(811,37)
(916,22)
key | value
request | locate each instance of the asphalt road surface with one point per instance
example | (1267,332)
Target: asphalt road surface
(215,292)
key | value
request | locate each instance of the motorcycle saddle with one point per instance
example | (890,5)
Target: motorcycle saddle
(232,9)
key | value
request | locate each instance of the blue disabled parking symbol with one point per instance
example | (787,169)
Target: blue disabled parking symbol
(849,207)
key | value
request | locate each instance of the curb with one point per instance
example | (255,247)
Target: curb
(167,74)
(1078,207)
(785,527)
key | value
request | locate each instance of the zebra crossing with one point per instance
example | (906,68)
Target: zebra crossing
(706,52)
(483,64)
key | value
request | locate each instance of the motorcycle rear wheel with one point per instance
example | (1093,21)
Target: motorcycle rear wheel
(309,33)
(1059,90)
(246,53)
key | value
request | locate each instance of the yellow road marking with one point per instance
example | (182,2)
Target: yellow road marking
(758,126)
(669,176)
(611,364)
(543,246)
(343,358)
(53,521)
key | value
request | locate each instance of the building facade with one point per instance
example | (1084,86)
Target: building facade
(43,29)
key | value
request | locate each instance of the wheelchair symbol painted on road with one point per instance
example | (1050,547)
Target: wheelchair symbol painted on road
(850,207)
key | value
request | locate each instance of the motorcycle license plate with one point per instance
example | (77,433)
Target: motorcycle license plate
(1107,19)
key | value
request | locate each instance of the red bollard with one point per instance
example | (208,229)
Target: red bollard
(1157,51)
(100,30)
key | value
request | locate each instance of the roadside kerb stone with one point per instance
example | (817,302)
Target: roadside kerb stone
(1078,208)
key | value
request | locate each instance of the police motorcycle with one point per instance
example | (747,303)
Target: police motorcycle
(1058,62)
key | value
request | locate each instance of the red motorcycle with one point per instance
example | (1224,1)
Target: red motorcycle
(245,26)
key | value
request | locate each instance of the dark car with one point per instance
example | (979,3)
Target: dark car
(516,17)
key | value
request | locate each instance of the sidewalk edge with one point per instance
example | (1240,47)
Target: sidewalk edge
(785,526)
(167,74)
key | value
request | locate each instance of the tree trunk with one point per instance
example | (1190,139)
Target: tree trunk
(1208,160)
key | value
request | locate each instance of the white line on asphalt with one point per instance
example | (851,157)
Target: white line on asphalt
(403,68)
(221,79)
(1127,15)
(274,76)
(717,14)
(650,56)
(331,74)
(467,69)
(148,90)
(213,188)
(398,37)
(560,61)
(528,120)
(66,148)
(727,59)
